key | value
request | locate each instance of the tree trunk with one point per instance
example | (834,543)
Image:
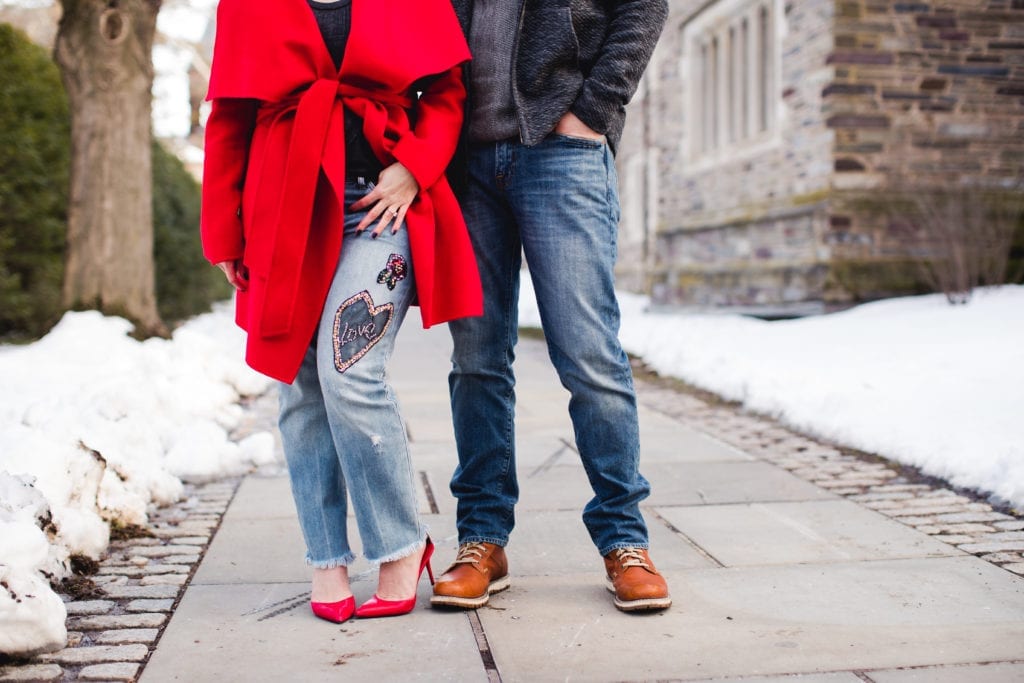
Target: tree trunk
(104,53)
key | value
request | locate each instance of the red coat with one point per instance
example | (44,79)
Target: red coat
(274,176)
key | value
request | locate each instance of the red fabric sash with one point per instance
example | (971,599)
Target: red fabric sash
(312,111)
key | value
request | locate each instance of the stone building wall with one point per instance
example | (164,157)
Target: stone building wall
(870,96)
(926,94)
(743,226)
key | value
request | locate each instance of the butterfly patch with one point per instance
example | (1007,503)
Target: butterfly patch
(395,271)
(358,326)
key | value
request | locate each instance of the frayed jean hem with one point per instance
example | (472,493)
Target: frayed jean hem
(400,553)
(493,540)
(343,561)
(624,544)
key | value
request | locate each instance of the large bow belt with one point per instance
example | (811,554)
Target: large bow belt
(313,110)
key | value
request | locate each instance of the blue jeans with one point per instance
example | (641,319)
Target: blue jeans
(339,421)
(557,202)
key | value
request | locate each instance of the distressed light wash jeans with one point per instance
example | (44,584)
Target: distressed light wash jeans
(557,202)
(340,423)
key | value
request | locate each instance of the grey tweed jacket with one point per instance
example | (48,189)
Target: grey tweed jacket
(584,56)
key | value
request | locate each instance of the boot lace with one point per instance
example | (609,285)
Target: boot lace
(470,553)
(630,557)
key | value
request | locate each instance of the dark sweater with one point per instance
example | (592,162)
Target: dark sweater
(491,40)
(335,22)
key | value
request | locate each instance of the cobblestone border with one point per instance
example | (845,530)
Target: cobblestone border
(963,519)
(111,637)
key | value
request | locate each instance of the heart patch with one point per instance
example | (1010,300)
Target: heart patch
(358,326)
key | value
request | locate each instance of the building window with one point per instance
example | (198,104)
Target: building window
(731,54)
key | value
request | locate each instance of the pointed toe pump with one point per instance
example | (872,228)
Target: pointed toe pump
(338,612)
(376,607)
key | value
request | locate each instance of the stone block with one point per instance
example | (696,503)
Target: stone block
(149,606)
(974,70)
(127,635)
(99,653)
(164,580)
(860,58)
(911,7)
(142,591)
(30,672)
(121,671)
(165,550)
(182,559)
(936,21)
(994,547)
(114,621)
(960,517)
(88,607)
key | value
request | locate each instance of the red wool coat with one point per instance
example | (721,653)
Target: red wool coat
(274,175)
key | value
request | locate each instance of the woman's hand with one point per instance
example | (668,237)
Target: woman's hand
(236,273)
(389,200)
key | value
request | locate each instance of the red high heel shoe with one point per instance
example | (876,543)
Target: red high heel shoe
(376,607)
(338,612)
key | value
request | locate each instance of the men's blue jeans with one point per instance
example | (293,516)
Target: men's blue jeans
(557,203)
(340,425)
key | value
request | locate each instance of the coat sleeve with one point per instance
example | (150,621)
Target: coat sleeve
(428,147)
(632,34)
(228,134)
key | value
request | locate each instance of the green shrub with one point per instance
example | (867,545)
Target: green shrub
(34,151)
(185,283)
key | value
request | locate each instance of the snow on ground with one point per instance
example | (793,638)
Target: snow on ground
(96,427)
(915,379)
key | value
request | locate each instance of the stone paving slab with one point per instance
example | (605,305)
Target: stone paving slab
(254,633)
(664,443)
(253,551)
(697,483)
(976,673)
(792,533)
(261,542)
(260,497)
(764,620)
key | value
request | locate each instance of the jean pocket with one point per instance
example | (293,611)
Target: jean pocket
(576,141)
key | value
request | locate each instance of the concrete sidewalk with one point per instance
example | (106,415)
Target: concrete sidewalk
(771,575)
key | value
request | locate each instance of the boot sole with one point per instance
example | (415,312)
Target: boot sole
(495,586)
(641,605)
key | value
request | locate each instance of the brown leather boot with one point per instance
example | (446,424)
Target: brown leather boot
(637,585)
(479,570)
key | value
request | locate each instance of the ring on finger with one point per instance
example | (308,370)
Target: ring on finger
(392,212)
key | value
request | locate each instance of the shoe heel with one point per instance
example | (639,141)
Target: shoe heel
(428,552)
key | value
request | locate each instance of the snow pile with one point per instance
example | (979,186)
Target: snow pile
(94,428)
(915,379)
